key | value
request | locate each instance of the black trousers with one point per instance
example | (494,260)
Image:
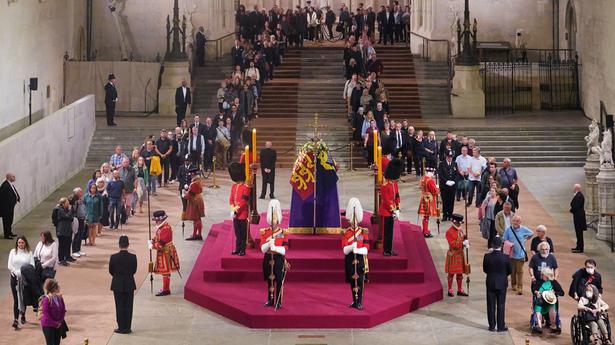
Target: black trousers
(448,200)
(123,309)
(349,267)
(388,35)
(387,227)
(398,37)
(7,223)
(241,232)
(418,165)
(514,195)
(580,243)
(208,157)
(15,300)
(78,237)
(64,243)
(110,108)
(52,336)
(166,164)
(496,306)
(268,179)
(196,157)
(175,164)
(274,288)
(200,56)
(330,30)
(181,114)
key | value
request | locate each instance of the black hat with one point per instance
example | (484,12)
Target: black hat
(123,241)
(388,146)
(159,215)
(394,169)
(111,76)
(246,137)
(457,218)
(497,242)
(193,171)
(237,172)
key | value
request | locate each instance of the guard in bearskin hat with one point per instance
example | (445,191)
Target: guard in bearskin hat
(239,202)
(389,204)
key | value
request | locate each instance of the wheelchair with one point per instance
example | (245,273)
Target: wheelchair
(580,331)
(546,319)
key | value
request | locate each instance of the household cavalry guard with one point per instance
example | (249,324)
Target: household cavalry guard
(167,260)
(239,201)
(355,243)
(195,207)
(389,204)
(455,263)
(428,205)
(274,244)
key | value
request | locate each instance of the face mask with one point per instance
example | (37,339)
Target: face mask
(589,270)
(589,294)
(544,256)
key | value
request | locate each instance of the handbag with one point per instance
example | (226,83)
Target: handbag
(63,329)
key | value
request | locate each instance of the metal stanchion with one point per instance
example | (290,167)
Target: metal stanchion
(213,169)
(351,166)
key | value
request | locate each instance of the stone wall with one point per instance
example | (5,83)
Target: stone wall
(595,43)
(48,153)
(144,25)
(35,36)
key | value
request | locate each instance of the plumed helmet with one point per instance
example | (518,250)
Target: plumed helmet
(394,169)
(237,172)
(274,210)
(354,209)
(388,146)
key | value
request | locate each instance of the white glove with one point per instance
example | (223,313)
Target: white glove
(186,187)
(466,243)
(348,249)
(150,245)
(265,247)
(232,214)
(396,214)
(279,249)
(354,245)
(450,183)
(361,251)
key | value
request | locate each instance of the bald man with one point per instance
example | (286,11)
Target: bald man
(577,208)
(268,159)
(8,199)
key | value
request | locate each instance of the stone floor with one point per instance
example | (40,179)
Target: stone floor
(173,320)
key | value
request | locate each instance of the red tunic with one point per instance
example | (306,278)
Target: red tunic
(428,205)
(280,236)
(196,207)
(240,200)
(167,260)
(360,235)
(454,256)
(389,198)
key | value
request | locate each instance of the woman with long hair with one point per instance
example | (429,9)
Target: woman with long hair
(142,181)
(53,311)
(94,212)
(46,252)
(19,256)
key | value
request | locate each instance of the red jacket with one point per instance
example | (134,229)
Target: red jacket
(360,235)
(389,198)
(164,235)
(280,237)
(240,200)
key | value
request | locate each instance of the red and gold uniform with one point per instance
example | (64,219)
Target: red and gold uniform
(167,260)
(428,205)
(274,244)
(455,258)
(195,207)
(355,243)
(389,206)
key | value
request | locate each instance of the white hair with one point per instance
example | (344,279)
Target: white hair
(541,228)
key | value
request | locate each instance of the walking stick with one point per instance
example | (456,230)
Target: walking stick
(150,266)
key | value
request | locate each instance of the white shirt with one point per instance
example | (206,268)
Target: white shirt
(47,254)
(184,90)
(17,259)
(477,165)
(462,163)
(507,219)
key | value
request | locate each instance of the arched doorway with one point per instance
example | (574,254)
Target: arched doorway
(571,26)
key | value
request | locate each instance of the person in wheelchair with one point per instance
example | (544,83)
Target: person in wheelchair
(594,310)
(545,302)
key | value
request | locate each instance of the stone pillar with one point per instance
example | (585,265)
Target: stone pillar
(592,167)
(606,196)
(467,96)
(174,73)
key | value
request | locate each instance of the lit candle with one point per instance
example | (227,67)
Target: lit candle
(254,145)
(379,164)
(375,146)
(246,160)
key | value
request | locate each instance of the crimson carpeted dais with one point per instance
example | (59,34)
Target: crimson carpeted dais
(315,294)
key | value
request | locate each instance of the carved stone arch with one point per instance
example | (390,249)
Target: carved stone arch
(571,25)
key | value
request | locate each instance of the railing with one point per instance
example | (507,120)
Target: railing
(527,55)
(218,45)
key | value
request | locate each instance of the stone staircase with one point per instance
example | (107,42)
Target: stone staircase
(206,81)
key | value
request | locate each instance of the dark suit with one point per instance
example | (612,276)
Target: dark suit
(8,199)
(268,159)
(381,18)
(389,27)
(200,48)
(209,134)
(447,172)
(371,23)
(577,208)
(182,180)
(110,98)
(181,103)
(122,267)
(201,128)
(497,267)
(237,56)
